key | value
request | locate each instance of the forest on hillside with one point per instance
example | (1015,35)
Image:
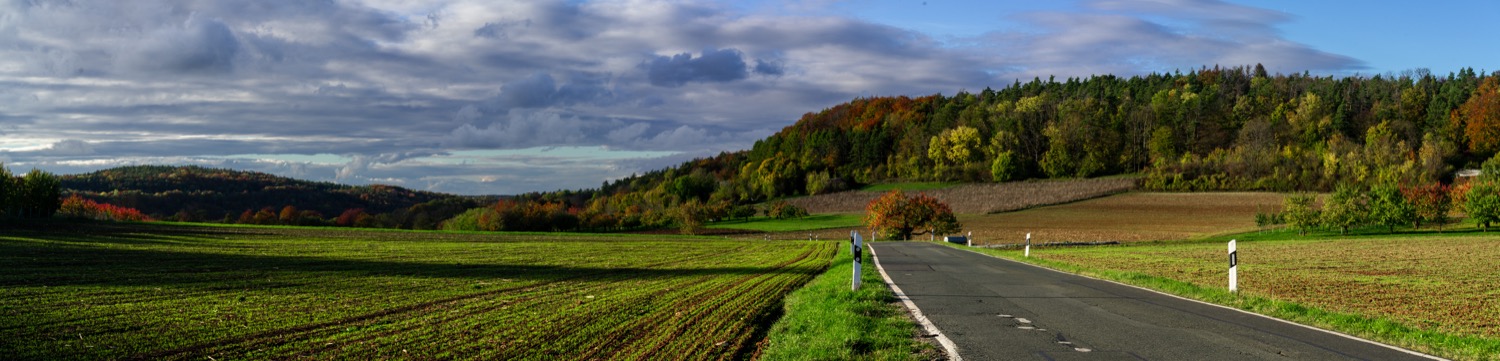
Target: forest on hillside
(1210,129)
(199,194)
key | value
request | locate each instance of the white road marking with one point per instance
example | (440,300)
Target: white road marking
(1345,335)
(916,313)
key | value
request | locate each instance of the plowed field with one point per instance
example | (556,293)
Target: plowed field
(1126,218)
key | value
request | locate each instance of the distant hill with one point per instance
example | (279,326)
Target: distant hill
(214,194)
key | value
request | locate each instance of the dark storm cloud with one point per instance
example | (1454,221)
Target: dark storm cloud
(535,91)
(768,68)
(721,65)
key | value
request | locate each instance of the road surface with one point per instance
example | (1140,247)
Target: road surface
(996,309)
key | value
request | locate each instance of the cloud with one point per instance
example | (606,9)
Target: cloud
(769,68)
(721,65)
(1193,9)
(197,46)
(381,82)
(70,147)
(1137,37)
(530,92)
(627,134)
(521,129)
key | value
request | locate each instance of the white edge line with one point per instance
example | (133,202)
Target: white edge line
(916,313)
(1345,335)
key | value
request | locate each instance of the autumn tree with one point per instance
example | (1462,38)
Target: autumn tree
(784,210)
(288,215)
(933,215)
(1430,204)
(350,216)
(887,215)
(1481,117)
(895,216)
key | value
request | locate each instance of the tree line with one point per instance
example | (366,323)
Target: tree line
(1389,206)
(36,194)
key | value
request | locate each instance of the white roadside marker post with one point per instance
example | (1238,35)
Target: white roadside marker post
(857,245)
(1028,245)
(969,240)
(1233,268)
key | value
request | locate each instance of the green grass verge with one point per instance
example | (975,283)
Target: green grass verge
(1464,228)
(1458,347)
(826,321)
(908,186)
(813,222)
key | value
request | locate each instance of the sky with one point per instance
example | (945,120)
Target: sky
(505,97)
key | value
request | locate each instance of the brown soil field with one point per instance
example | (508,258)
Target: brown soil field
(981,198)
(1128,217)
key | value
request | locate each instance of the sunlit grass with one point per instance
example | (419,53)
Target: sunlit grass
(813,222)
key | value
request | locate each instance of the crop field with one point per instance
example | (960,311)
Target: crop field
(980,198)
(908,186)
(812,222)
(185,292)
(1129,217)
(1439,290)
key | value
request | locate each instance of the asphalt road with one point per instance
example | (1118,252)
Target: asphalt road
(996,309)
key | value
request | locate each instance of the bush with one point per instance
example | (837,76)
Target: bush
(77,207)
(784,210)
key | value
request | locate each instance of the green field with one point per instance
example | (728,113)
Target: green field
(908,186)
(97,291)
(812,222)
(1431,292)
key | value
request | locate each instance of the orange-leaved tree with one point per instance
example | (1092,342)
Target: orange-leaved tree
(895,216)
(1481,116)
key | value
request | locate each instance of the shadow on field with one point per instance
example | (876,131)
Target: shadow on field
(104,255)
